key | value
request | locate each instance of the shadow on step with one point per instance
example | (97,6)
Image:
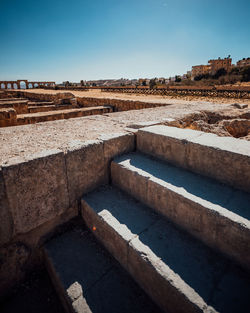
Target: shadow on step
(107,288)
(234,200)
(221,284)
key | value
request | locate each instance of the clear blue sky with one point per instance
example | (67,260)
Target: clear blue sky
(93,39)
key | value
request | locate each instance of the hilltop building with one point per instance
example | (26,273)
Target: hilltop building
(200,70)
(219,63)
(212,67)
(243,63)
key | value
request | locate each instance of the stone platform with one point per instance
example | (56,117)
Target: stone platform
(46,169)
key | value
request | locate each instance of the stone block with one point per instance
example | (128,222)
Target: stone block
(36,189)
(117,144)
(8,117)
(85,167)
(223,158)
(166,143)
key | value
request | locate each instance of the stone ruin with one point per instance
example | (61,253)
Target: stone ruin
(168,205)
(233,122)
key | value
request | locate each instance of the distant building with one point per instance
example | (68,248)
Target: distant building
(243,63)
(143,81)
(200,70)
(219,63)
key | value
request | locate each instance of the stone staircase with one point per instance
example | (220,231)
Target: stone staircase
(20,111)
(176,217)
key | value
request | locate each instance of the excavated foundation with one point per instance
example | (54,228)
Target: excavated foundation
(230,122)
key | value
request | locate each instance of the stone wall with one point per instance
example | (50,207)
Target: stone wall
(40,192)
(118,105)
(8,117)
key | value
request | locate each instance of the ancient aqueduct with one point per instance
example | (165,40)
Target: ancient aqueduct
(16,84)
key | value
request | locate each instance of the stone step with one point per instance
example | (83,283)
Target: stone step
(21,106)
(88,279)
(47,108)
(180,273)
(40,103)
(12,99)
(226,159)
(215,213)
(32,118)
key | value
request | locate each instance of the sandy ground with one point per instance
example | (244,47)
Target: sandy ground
(95,93)
(21,141)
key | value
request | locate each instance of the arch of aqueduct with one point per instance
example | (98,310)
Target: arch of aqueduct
(29,85)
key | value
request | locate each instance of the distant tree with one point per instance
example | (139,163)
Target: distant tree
(152,83)
(67,83)
(82,83)
(219,73)
(234,70)
(198,77)
(144,83)
(202,76)
(246,74)
(177,79)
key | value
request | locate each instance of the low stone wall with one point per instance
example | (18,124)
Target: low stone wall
(60,115)
(33,95)
(40,192)
(118,105)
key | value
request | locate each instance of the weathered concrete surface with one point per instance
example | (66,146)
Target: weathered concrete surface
(223,158)
(214,213)
(36,189)
(156,253)
(87,279)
